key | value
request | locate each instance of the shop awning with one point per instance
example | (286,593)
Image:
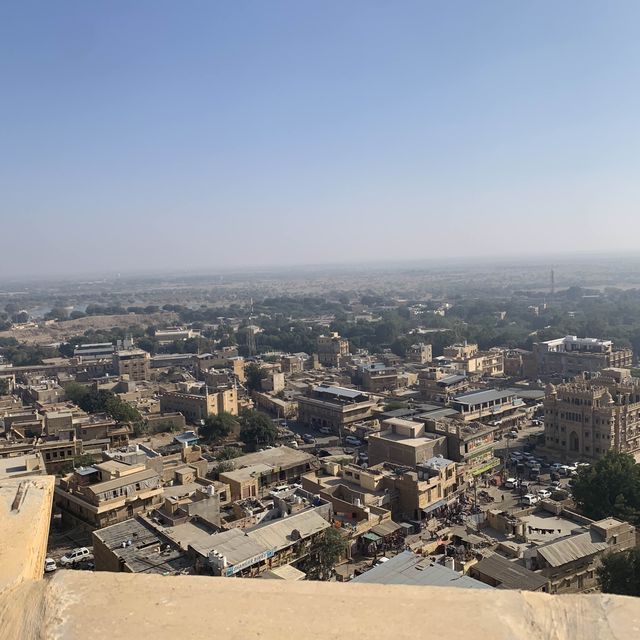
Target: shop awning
(433,507)
(371,537)
(386,528)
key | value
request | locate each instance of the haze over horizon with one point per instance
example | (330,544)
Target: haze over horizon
(154,135)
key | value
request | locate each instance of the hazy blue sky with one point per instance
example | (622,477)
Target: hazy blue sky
(223,134)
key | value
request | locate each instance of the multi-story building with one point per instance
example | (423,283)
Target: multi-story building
(255,473)
(95,351)
(472,361)
(571,356)
(494,406)
(332,350)
(377,378)
(135,363)
(570,563)
(333,407)
(174,334)
(420,353)
(469,443)
(196,407)
(107,493)
(589,417)
(405,442)
(440,385)
(292,363)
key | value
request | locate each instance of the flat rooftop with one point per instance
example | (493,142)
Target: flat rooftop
(554,527)
(411,569)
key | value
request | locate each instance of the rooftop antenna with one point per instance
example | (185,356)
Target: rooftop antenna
(251,338)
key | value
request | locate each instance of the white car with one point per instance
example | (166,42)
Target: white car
(380,561)
(556,466)
(76,556)
(544,493)
(530,499)
(50,565)
(510,483)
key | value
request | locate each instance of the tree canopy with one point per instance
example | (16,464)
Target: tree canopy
(611,487)
(254,374)
(102,401)
(619,573)
(217,428)
(257,430)
(324,555)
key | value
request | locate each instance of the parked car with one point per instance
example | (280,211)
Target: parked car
(293,444)
(510,483)
(544,493)
(363,457)
(308,438)
(75,556)
(325,431)
(516,455)
(380,561)
(530,499)
(524,484)
(353,441)
(512,434)
(555,483)
(50,565)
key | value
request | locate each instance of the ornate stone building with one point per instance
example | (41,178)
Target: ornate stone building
(588,417)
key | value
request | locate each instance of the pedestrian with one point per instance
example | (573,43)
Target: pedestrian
(503,497)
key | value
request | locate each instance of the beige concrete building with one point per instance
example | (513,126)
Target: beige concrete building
(195,407)
(440,385)
(107,493)
(255,473)
(378,378)
(404,442)
(419,353)
(333,407)
(134,363)
(571,356)
(589,417)
(570,563)
(471,360)
(469,443)
(332,350)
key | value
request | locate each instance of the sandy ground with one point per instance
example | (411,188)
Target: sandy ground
(62,330)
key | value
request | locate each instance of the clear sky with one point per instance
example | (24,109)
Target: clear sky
(183,134)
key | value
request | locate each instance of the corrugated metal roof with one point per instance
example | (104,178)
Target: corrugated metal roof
(477,397)
(571,548)
(279,534)
(509,574)
(412,569)
(386,528)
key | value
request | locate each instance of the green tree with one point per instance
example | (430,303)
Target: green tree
(218,427)
(254,374)
(257,430)
(324,555)
(611,487)
(76,392)
(121,411)
(228,453)
(619,573)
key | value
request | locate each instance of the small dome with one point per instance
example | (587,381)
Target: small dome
(606,398)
